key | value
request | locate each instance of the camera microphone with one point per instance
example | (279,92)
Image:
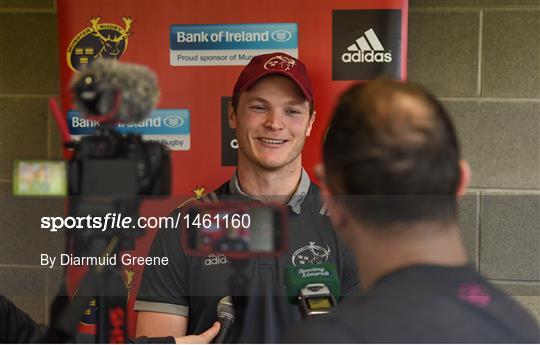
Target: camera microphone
(314,288)
(225,313)
(108,91)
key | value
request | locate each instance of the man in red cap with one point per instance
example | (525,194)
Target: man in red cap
(272,112)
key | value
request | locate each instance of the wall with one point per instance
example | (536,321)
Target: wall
(29,75)
(481,57)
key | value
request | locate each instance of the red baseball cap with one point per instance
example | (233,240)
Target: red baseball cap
(274,63)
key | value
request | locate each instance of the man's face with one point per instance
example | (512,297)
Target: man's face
(272,122)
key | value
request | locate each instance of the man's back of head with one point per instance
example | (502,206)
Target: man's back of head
(392,150)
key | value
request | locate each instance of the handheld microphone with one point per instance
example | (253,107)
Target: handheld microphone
(314,288)
(225,312)
(110,91)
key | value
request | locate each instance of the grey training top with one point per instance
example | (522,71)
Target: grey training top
(192,286)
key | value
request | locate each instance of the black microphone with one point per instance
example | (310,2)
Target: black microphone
(225,312)
(110,91)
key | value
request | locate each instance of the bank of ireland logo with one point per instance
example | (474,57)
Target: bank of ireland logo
(173,121)
(280,63)
(281,35)
(366,49)
(98,40)
(310,254)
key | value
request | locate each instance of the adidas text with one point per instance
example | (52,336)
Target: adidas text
(367,48)
(213,259)
(369,56)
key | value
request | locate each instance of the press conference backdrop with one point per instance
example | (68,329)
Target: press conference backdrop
(198,48)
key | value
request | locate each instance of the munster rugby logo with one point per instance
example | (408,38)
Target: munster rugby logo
(99,40)
(280,63)
(311,254)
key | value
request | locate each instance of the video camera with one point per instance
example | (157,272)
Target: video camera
(108,173)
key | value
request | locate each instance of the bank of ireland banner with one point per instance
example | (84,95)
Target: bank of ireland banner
(198,49)
(232,44)
(169,127)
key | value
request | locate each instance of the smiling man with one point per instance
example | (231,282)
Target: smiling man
(272,112)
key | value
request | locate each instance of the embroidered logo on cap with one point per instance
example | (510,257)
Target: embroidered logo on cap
(279,62)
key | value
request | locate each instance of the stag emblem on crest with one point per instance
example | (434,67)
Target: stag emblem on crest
(99,40)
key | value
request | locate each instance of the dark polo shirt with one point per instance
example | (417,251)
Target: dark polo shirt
(424,304)
(192,286)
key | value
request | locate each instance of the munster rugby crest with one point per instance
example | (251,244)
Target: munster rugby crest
(99,40)
(311,254)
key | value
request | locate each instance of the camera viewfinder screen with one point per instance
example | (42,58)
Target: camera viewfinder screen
(250,230)
(39,178)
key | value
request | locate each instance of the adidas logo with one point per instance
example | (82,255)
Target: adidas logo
(367,48)
(216,259)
